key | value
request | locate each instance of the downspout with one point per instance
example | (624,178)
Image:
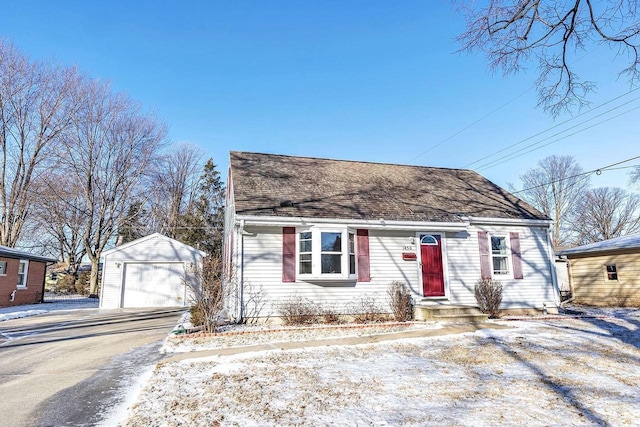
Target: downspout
(241,275)
(554,277)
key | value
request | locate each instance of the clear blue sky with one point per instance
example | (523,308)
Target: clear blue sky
(361,80)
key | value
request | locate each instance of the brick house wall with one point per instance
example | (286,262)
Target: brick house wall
(32,294)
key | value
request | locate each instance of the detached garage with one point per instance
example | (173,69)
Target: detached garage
(148,272)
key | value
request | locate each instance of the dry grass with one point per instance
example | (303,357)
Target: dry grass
(565,372)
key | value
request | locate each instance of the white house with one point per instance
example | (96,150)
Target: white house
(333,231)
(148,272)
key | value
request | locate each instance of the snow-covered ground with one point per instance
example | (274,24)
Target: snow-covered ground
(16,312)
(570,371)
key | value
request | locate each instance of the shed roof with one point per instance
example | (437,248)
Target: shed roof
(150,237)
(8,252)
(286,186)
(610,245)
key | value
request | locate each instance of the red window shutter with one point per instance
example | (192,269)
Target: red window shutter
(516,256)
(485,258)
(288,254)
(364,275)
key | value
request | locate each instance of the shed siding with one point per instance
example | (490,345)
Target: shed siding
(111,284)
(590,284)
(262,270)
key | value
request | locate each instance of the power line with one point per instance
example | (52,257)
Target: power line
(596,171)
(560,124)
(514,155)
(470,125)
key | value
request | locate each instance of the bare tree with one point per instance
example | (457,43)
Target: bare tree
(605,213)
(176,180)
(634,177)
(108,151)
(513,33)
(555,187)
(207,294)
(35,109)
(60,221)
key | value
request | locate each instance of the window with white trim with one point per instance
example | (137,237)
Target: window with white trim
(326,254)
(611,271)
(305,253)
(3,268)
(22,273)
(500,256)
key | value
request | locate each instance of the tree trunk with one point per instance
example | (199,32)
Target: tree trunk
(93,277)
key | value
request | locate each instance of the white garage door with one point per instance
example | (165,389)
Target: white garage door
(153,285)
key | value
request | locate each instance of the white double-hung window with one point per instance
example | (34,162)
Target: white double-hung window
(326,254)
(22,273)
(500,256)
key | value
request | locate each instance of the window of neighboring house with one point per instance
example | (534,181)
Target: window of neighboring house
(612,272)
(327,253)
(500,256)
(3,268)
(53,276)
(22,273)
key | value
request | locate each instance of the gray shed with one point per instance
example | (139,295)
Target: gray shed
(148,272)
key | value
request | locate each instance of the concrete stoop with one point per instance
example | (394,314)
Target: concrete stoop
(427,310)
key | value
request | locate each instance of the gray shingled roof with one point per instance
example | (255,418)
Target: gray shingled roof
(8,252)
(617,244)
(286,186)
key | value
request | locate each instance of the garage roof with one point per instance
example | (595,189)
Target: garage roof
(617,244)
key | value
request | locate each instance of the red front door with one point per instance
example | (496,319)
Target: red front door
(431,265)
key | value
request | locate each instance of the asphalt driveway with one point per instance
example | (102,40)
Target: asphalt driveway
(69,368)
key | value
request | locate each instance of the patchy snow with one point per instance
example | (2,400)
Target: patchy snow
(571,371)
(243,335)
(19,311)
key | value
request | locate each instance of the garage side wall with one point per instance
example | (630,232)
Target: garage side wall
(592,286)
(111,284)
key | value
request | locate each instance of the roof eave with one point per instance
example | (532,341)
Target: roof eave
(273,221)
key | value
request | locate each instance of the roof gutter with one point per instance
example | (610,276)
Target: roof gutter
(510,221)
(380,224)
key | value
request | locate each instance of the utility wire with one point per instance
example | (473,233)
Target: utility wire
(470,125)
(515,155)
(596,171)
(558,125)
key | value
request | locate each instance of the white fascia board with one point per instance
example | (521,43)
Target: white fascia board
(510,221)
(380,224)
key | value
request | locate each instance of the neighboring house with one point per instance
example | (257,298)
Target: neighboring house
(21,277)
(606,273)
(57,272)
(152,271)
(334,232)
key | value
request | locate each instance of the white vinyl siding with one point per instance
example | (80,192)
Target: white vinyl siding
(262,269)
(534,290)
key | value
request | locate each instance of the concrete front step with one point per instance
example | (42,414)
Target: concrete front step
(449,313)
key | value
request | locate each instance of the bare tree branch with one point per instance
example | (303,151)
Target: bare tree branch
(513,33)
